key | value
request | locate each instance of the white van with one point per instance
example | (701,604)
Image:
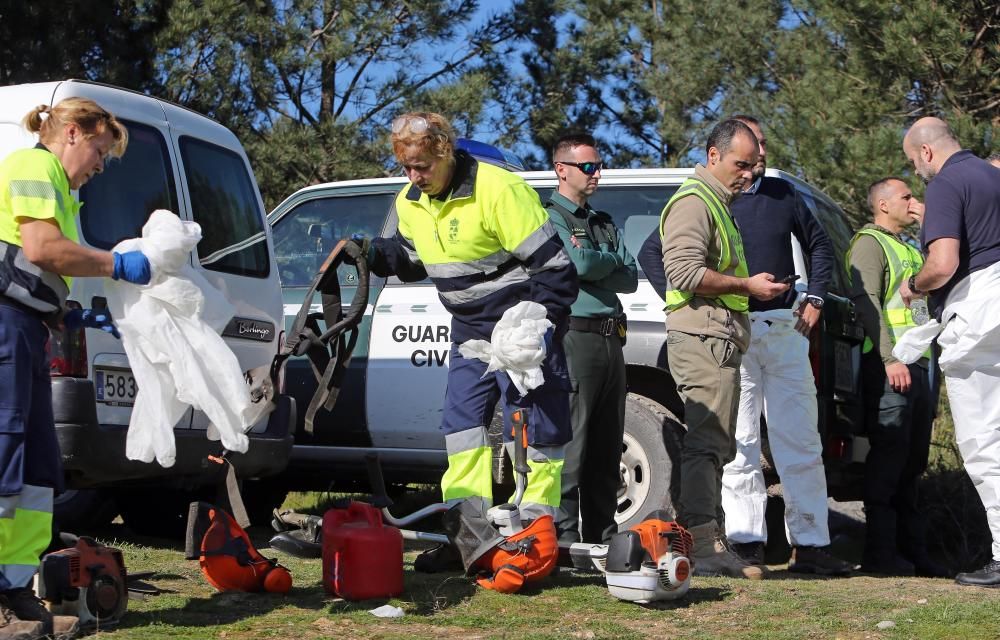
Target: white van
(185,162)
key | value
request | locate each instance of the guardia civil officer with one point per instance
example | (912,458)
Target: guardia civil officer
(593,344)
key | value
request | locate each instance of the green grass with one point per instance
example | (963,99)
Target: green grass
(569,605)
(576,605)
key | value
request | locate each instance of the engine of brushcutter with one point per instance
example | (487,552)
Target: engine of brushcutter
(88,580)
(650,561)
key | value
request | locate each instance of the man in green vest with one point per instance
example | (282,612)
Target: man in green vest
(593,344)
(880,262)
(708,329)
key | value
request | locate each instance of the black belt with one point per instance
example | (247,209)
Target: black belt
(606,326)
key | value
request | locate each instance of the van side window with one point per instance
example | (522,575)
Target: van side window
(304,236)
(224,203)
(118,202)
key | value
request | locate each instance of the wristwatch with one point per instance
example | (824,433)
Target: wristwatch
(815,301)
(912,284)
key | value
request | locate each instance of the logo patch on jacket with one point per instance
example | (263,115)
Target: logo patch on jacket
(453,231)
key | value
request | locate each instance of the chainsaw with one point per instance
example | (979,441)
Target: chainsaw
(648,562)
(87,580)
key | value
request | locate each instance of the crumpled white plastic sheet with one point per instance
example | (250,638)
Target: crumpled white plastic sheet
(171,333)
(517,345)
(387,611)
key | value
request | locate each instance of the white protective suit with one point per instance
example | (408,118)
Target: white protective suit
(776,378)
(969,336)
(171,333)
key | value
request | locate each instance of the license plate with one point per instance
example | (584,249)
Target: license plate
(115,387)
(843,370)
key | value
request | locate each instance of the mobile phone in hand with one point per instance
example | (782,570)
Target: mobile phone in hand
(789,279)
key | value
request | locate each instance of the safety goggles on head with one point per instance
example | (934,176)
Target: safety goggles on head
(588,168)
(416,124)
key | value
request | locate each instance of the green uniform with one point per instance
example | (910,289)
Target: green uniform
(593,345)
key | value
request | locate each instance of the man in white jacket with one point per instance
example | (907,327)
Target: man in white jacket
(961,239)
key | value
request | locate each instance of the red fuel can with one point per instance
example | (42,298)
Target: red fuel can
(362,558)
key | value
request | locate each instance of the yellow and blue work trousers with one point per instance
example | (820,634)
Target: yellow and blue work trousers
(30,462)
(469,404)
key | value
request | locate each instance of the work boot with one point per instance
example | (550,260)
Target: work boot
(817,560)
(711,555)
(751,552)
(13,628)
(441,558)
(988,576)
(28,606)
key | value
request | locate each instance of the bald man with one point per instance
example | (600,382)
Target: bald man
(961,239)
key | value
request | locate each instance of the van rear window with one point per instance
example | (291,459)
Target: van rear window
(224,202)
(117,202)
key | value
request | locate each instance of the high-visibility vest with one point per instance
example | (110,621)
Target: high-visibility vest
(904,260)
(730,254)
(33,184)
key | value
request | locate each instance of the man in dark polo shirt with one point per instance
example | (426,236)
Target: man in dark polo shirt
(593,344)
(961,239)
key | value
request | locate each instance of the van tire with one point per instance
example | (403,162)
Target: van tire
(650,462)
(81,510)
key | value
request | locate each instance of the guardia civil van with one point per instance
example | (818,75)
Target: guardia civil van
(185,162)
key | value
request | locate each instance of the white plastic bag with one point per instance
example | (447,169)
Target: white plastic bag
(516,346)
(171,333)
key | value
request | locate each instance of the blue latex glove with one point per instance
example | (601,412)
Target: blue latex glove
(132,267)
(77,318)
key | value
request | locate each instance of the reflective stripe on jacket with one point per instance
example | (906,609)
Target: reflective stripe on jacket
(486,247)
(33,185)
(731,246)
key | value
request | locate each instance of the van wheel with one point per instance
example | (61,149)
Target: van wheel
(650,462)
(80,510)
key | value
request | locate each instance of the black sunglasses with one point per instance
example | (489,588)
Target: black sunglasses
(588,168)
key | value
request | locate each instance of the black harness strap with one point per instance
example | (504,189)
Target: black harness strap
(329,352)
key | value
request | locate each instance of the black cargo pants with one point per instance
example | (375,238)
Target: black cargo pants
(900,438)
(591,475)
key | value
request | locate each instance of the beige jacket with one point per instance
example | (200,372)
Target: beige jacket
(691,245)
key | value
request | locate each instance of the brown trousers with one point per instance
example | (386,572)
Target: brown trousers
(707,373)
